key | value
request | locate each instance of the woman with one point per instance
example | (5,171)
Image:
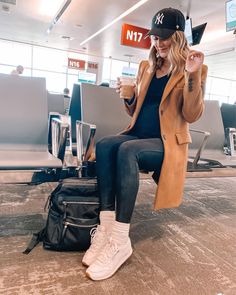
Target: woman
(168,95)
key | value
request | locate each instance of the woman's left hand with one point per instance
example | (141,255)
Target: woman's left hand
(194,61)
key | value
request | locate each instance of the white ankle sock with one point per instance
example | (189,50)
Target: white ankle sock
(120,232)
(107,219)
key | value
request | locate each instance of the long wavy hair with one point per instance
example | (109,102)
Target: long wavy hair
(177,55)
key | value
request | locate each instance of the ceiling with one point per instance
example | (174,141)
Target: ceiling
(28,21)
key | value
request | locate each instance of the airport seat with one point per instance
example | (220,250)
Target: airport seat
(55,103)
(55,110)
(228,112)
(103,107)
(24,132)
(76,126)
(207,148)
(74,115)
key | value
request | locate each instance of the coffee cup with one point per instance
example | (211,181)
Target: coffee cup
(127,87)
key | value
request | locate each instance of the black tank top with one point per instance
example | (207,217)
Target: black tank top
(148,122)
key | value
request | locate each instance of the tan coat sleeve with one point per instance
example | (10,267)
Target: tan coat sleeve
(193,103)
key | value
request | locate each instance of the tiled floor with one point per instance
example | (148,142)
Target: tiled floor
(190,250)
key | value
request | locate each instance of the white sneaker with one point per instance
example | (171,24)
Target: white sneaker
(99,239)
(109,260)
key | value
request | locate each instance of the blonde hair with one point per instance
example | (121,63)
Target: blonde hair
(177,55)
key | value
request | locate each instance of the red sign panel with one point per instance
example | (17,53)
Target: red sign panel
(77,64)
(92,65)
(134,36)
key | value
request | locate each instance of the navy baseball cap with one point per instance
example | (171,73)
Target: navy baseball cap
(166,22)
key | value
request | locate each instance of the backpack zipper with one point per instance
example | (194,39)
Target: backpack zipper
(83,203)
(66,223)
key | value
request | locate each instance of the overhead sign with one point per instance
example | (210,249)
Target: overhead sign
(92,65)
(134,36)
(77,64)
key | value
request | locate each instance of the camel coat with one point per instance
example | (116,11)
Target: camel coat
(182,103)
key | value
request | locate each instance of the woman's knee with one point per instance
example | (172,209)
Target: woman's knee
(105,141)
(126,150)
(106,145)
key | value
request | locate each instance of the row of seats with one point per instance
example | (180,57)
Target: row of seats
(213,154)
(25,104)
(24,131)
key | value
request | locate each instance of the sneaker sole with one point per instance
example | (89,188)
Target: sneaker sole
(110,275)
(85,264)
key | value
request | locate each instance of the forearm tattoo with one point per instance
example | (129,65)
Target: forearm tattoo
(190,84)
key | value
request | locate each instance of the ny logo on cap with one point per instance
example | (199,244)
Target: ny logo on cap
(159,19)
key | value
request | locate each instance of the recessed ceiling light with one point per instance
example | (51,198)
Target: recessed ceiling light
(67,38)
(5,8)
(129,55)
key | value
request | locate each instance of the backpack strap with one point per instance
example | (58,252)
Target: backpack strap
(37,238)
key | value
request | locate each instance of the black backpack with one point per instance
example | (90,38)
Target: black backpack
(73,213)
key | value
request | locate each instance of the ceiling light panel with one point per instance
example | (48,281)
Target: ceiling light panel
(125,13)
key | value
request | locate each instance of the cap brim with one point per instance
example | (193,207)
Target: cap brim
(161,33)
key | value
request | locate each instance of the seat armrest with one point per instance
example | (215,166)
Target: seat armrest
(205,134)
(59,136)
(81,155)
(62,118)
(231,140)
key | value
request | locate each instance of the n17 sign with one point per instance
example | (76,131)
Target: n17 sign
(134,36)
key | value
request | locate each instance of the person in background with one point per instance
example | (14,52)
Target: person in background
(18,71)
(66,93)
(168,95)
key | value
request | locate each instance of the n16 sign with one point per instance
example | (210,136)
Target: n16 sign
(134,36)
(77,64)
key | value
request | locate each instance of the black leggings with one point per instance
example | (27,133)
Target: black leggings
(118,160)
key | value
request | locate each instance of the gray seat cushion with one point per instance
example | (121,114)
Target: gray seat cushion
(28,160)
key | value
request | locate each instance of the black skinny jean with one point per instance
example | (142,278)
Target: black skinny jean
(118,160)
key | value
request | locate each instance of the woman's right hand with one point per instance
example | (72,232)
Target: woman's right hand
(125,90)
